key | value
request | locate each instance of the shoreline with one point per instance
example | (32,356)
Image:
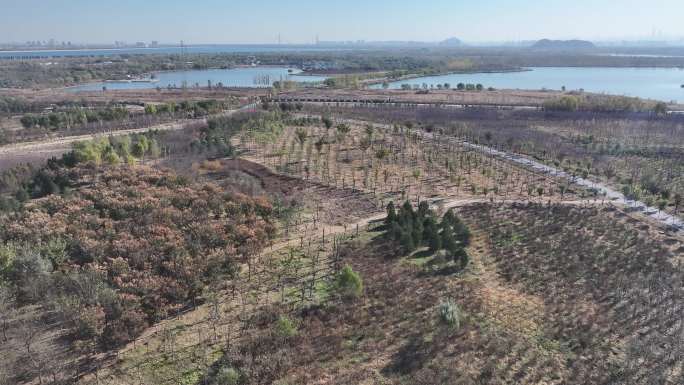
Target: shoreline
(416,76)
(149,74)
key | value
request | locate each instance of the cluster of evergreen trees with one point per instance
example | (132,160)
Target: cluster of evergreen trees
(21,183)
(413,229)
(78,116)
(73,117)
(187,107)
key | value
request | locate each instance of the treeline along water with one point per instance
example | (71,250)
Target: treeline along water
(651,83)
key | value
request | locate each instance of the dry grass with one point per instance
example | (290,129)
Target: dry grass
(414,167)
(498,97)
(535,328)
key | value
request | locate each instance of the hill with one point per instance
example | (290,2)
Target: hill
(568,45)
(451,42)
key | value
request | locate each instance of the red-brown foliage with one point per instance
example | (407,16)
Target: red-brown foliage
(151,236)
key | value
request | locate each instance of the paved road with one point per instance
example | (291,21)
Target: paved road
(600,188)
(609,193)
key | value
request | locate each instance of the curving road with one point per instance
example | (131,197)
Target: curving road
(653,213)
(608,192)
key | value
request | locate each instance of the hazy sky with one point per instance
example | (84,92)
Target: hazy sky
(299,21)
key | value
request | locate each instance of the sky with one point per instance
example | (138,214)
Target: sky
(300,21)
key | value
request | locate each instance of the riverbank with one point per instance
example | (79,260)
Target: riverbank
(659,84)
(244,76)
(418,76)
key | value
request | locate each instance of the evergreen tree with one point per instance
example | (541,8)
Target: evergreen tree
(349,283)
(391,215)
(417,232)
(461,257)
(431,234)
(413,229)
(395,231)
(423,209)
(463,235)
(406,213)
(448,220)
(449,242)
(407,243)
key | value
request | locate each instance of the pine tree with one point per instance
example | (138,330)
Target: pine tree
(449,242)
(448,220)
(395,231)
(461,257)
(407,242)
(423,209)
(417,232)
(391,214)
(463,235)
(431,235)
(406,213)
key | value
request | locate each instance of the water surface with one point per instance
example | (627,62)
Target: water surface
(651,83)
(235,77)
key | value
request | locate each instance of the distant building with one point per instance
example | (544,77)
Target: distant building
(154,44)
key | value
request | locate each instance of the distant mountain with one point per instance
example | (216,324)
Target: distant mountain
(452,42)
(566,45)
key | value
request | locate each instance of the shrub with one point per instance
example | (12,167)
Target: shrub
(88,323)
(112,158)
(285,327)
(349,284)
(159,250)
(450,314)
(227,376)
(7,255)
(564,103)
(660,108)
(600,103)
(125,328)
(391,214)
(28,274)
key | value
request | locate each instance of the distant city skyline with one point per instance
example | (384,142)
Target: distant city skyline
(305,21)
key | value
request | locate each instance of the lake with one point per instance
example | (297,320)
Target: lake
(234,77)
(651,83)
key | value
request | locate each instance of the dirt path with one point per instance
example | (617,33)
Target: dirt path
(64,141)
(56,144)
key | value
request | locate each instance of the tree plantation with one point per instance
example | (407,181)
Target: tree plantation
(353,212)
